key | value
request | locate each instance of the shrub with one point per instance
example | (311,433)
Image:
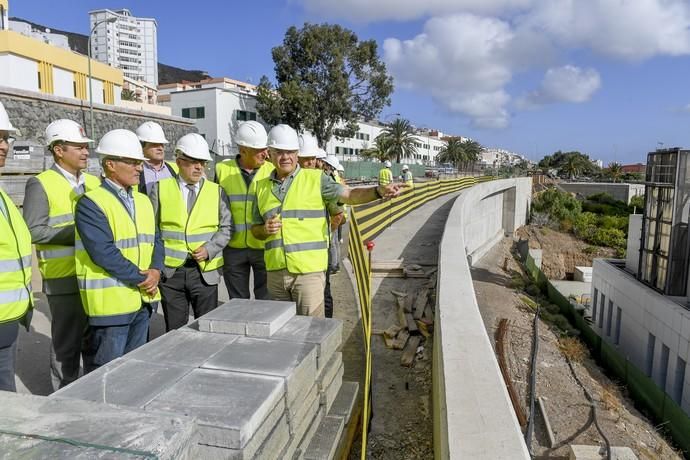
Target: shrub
(533,290)
(559,205)
(611,237)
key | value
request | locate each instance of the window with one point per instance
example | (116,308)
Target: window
(601,311)
(609,318)
(651,342)
(617,338)
(663,367)
(194,112)
(245,115)
(594,305)
(679,381)
(362,136)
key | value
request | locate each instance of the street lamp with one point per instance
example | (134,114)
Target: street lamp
(107,21)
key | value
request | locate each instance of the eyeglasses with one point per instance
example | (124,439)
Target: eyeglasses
(193,161)
(7,138)
(129,161)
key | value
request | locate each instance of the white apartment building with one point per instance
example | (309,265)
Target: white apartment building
(494,157)
(46,36)
(129,43)
(219,105)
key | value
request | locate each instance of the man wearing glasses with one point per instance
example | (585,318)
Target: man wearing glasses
(194,222)
(291,217)
(16,300)
(238,177)
(49,212)
(118,253)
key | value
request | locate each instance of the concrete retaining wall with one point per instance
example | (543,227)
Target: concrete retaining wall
(622,192)
(473,416)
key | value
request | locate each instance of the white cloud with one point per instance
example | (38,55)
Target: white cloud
(626,29)
(563,84)
(403,10)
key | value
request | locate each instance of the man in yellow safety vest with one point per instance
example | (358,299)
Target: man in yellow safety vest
(244,255)
(153,142)
(16,299)
(290,216)
(385,173)
(118,253)
(194,221)
(49,212)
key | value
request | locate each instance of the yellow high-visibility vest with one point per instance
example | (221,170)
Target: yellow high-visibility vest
(345,207)
(302,244)
(173,166)
(56,260)
(242,199)
(385,176)
(407,178)
(181,232)
(102,294)
(15,263)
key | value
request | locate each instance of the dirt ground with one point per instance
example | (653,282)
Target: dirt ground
(566,405)
(562,252)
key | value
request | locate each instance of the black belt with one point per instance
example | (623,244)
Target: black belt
(190,262)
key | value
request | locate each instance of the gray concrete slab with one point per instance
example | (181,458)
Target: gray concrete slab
(345,400)
(327,373)
(230,407)
(294,362)
(105,428)
(298,446)
(325,333)
(130,383)
(330,392)
(257,318)
(298,409)
(184,347)
(326,439)
(276,442)
(300,423)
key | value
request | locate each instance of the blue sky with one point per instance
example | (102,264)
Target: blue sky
(606,77)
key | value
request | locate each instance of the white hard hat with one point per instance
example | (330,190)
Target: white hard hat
(405,167)
(251,134)
(67,131)
(5,124)
(341,167)
(308,146)
(332,160)
(120,143)
(193,145)
(283,137)
(150,131)
(321,154)
(387,164)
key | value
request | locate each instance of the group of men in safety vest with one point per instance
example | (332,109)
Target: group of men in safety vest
(111,248)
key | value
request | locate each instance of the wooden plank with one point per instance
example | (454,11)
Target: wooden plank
(428,316)
(387,265)
(420,303)
(411,324)
(392,331)
(400,340)
(410,351)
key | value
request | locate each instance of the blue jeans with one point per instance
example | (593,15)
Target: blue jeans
(8,358)
(105,343)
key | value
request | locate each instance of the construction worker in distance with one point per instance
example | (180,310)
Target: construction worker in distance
(119,253)
(194,222)
(49,212)
(16,299)
(385,173)
(308,149)
(290,216)
(407,176)
(320,156)
(244,254)
(153,143)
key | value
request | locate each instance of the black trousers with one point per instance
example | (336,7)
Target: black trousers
(186,287)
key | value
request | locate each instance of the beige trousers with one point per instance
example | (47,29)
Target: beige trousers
(306,290)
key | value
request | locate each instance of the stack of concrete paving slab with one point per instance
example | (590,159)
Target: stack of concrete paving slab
(260,381)
(41,427)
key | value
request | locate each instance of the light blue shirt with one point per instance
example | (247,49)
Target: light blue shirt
(125,196)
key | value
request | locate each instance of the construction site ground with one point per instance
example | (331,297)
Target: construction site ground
(568,409)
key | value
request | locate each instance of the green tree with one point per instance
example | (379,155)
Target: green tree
(400,138)
(325,77)
(614,171)
(573,166)
(570,163)
(380,150)
(473,151)
(452,152)
(128,95)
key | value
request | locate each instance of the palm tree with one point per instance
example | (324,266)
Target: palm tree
(380,150)
(573,166)
(401,139)
(453,152)
(473,151)
(614,171)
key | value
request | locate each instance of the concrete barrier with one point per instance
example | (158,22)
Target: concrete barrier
(473,416)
